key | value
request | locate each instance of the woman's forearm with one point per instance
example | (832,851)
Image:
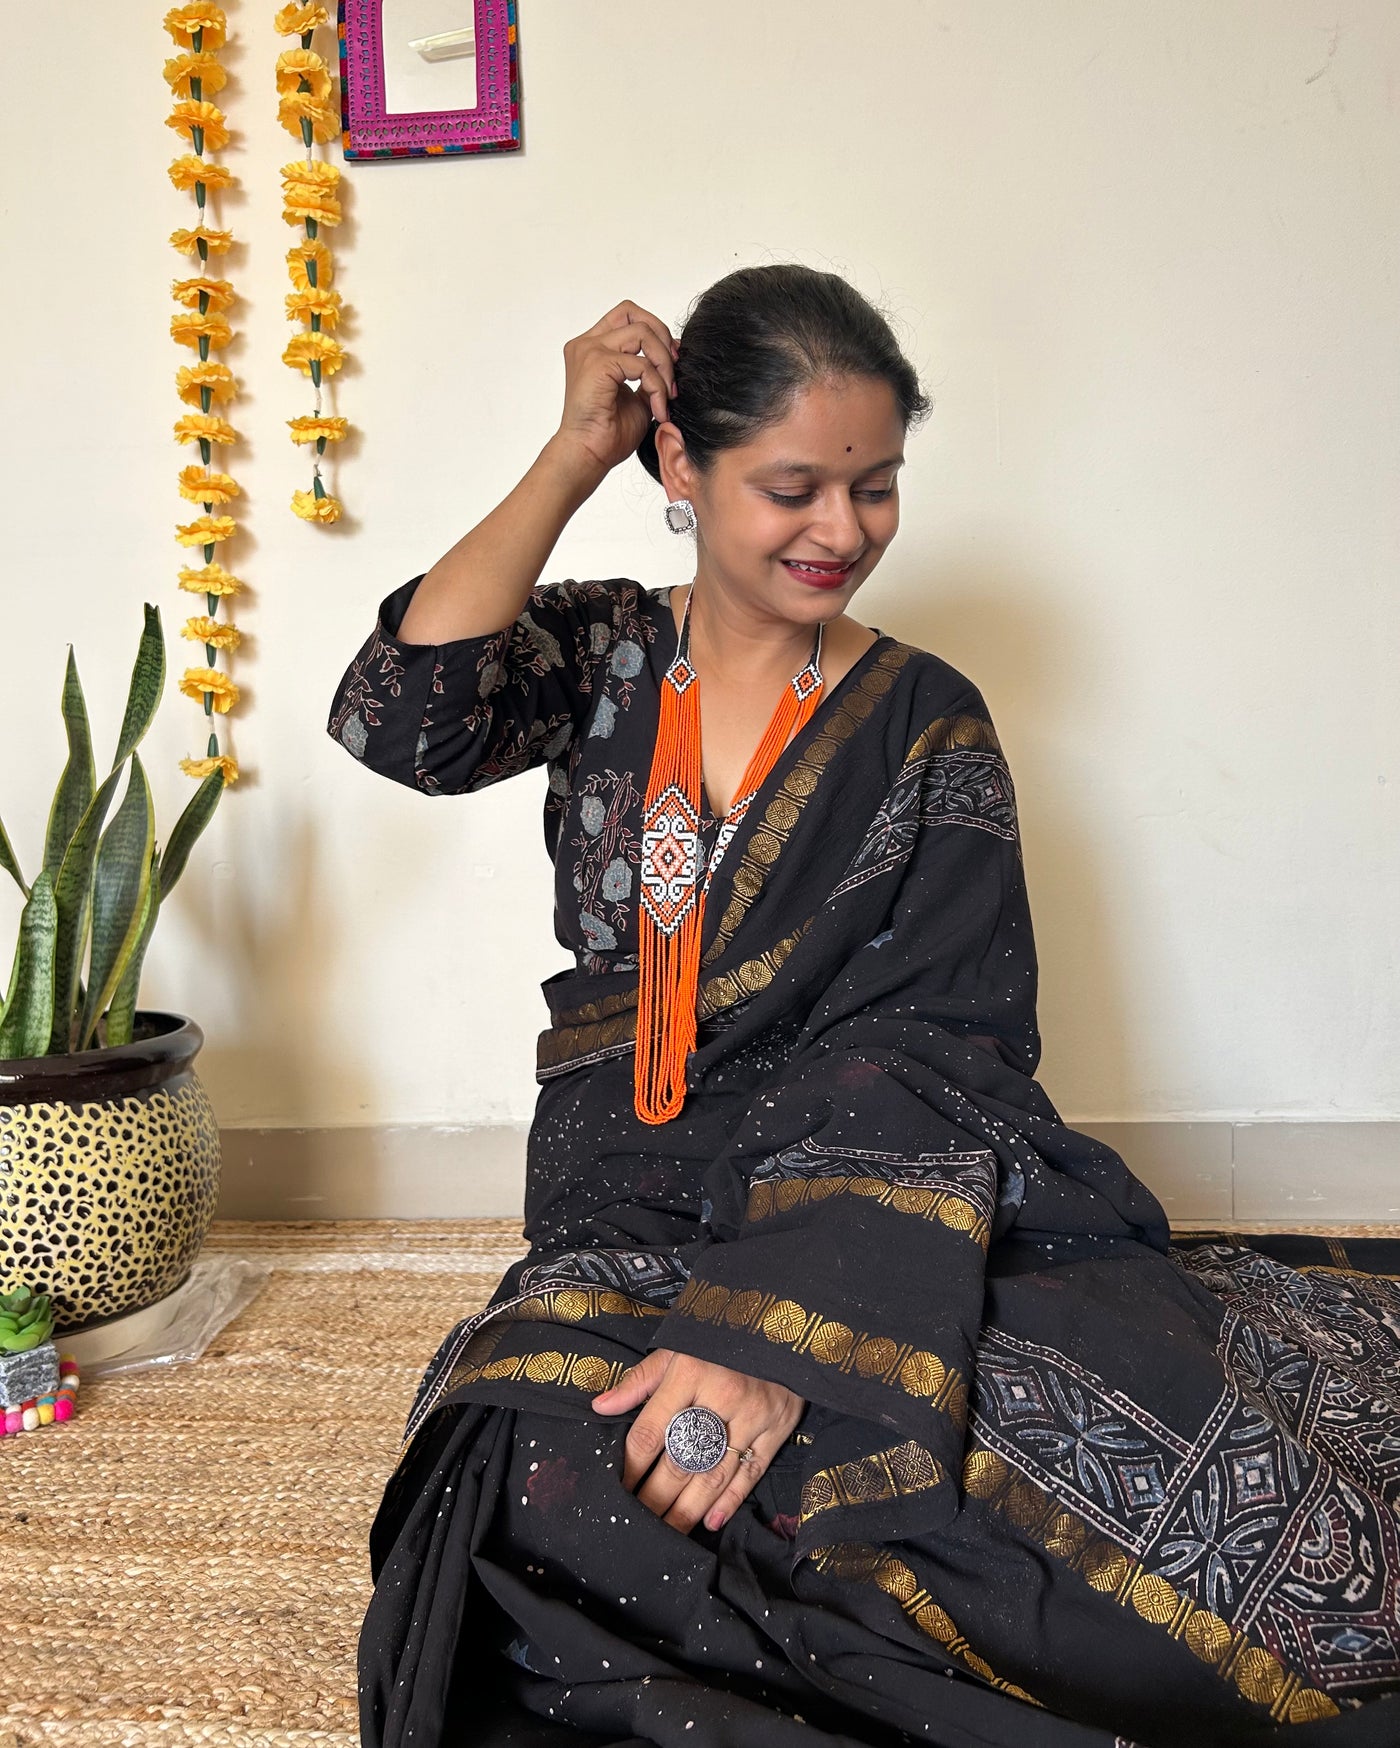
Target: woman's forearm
(482,584)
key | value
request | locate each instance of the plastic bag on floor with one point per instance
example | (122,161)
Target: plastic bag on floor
(178,1328)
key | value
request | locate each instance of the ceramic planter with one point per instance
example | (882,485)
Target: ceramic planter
(109,1172)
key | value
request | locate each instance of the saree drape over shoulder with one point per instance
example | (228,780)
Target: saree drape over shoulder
(1056,1482)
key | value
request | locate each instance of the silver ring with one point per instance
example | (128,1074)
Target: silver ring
(697,1440)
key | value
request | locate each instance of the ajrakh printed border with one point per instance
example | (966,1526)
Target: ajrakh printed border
(1113,1572)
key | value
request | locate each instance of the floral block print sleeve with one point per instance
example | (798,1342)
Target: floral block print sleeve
(451,717)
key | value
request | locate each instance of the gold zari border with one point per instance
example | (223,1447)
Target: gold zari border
(788,1324)
(883,1475)
(1109,1569)
(955,734)
(611,1022)
(863,1562)
(946,1206)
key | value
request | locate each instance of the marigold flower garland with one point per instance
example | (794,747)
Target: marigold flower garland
(196,75)
(306,108)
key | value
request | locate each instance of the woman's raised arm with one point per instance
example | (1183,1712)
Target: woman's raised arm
(483,582)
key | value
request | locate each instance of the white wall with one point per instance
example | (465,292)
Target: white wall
(1146,259)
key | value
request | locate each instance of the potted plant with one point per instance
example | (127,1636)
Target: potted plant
(109,1149)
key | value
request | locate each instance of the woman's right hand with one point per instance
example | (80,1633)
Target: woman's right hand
(604,418)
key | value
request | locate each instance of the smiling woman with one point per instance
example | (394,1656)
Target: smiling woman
(931,1436)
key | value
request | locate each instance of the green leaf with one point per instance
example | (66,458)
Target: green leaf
(9,861)
(28,1012)
(119,885)
(73,894)
(79,779)
(121,1015)
(147,683)
(199,810)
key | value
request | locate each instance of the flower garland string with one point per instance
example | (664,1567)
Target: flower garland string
(309,198)
(194,76)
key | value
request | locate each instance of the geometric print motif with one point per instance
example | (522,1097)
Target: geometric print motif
(967,788)
(1243,1524)
(1110,1569)
(1315,1349)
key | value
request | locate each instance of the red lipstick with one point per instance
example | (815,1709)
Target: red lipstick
(818,575)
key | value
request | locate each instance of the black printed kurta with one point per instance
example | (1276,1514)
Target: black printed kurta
(1056,1482)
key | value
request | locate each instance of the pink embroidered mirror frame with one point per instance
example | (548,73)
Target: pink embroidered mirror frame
(370,131)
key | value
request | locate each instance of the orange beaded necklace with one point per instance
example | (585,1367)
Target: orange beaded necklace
(671,905)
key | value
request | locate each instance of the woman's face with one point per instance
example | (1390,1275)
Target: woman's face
(793,522)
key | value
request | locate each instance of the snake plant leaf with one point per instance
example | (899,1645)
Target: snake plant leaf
(28,1012)
(121,1015)
(199,810)
(73,894)
(9,861)
(119,883)
(79,779)
(147,683)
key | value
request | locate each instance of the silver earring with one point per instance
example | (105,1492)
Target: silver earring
(680,516)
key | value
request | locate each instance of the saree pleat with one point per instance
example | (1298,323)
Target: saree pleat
(1056,1482)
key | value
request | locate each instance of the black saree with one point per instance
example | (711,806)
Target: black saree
(1056,1482)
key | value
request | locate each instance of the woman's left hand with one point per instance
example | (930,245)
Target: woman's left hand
(757,1413)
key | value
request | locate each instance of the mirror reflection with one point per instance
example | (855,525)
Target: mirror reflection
(429,55)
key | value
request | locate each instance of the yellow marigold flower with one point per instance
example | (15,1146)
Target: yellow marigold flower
(217,242)
(195,682)
(325,121)
(190,327)
(302,348)
(298,20)
(219,292)
(183,21)
(205,530)
(187,115)
(309,427)
(201,486)
(210,579)
(203,768)
(310,249)
(202,66)
(313,509)
(217,378)
(217,633)
(303,304)
(191,426)
(186,171)
(311,172)
(294,65)
(310,203)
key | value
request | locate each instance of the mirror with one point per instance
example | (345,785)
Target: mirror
(428,78)
(429,55)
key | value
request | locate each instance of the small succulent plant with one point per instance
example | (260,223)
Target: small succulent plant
(26,1320)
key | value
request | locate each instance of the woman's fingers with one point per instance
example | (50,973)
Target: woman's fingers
(636,1384)
(626,314)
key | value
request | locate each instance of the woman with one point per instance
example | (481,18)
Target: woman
(845,1394)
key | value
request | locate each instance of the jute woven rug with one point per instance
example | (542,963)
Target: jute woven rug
(186,1560)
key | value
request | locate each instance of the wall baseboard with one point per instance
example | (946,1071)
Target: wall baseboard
(1204,1173)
